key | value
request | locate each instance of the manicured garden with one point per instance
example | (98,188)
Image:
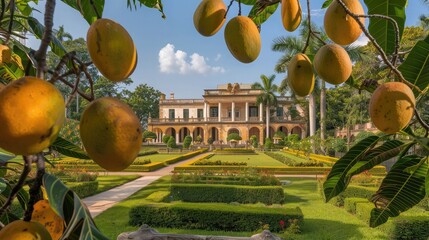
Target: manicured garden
(320,220)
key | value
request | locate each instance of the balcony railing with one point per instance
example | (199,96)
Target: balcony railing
(223,119)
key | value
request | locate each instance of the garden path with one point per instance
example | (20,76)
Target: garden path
(102,201)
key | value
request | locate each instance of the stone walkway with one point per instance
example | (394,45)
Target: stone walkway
(102,201)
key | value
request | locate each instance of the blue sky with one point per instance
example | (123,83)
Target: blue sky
(199,62)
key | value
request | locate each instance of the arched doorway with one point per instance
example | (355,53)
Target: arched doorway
(158,133)
(170,132)
(283,129)
(297,130)
(271,133)
(198,132)
(183,132)
(233,130)
(254,131)
(214,134)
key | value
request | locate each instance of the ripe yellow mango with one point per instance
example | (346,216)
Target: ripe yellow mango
(333,64)
(339,26)
(291,14)
(111,133)
(45,215)
(300,75)
(392,106)
(111,49)
(23,230)
(209,17)
(242,39)
(5,54)
(32,111)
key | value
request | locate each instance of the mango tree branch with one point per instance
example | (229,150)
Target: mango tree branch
(35,188)
(26,170)
(40,54)
(377,46)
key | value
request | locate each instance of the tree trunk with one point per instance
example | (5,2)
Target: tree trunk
(267,115)
(312,114)
(323,114)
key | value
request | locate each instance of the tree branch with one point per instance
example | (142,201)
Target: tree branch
(27,169)
(40,54)
(229,6)
(423,123)
(35,188)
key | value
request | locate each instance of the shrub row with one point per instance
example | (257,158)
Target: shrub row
(185,156)
(353,191)
(234,151)
(227,193)
(220,163)
(83,189)
(234,179)
(402,227)
(147,153)
(133,168)
(213,216)
(270,169)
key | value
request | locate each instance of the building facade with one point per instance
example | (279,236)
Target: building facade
(228,108)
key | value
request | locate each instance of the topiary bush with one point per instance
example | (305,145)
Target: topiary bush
(171,143)
(410,227)
(187,142)
(165,139)
(350,204)
(233,136)
(227,193)
(268,144)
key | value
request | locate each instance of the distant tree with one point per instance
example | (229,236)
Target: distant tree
(233,136)
(254,141)
(267,96)
(187,142)
(144,100)
(268,144)
(199,139)
(210,140)
(165,138)
(171,143)
(148,135)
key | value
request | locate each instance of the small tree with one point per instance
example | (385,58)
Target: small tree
(210,141)
(166,138)
(254,141)
(187,142)
(148,135)
(171,143)
(268,143)
(199,139)
(233,136)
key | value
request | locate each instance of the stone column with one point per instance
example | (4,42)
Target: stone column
(219,110)
(233,111)
(247,111)
(261,112)
(205,112)
(177,137)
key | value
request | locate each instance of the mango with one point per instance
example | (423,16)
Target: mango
(209,17)
(333,64)
(23,230)
(300,75)
(291,14)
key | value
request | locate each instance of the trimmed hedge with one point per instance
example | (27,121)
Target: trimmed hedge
(132,168)
(233,151)
(213,216)
(147,153)
(227,193)
(353,191)
(350,204)
(410,227)
(245,179)
(83,189)
(363,211)
(186,156)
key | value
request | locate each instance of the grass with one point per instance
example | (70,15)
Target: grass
(252,160)
(160,157)
(293,157)
(321,220)
(108,182)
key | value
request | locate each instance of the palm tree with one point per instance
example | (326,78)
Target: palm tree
(61,34)
(267,97)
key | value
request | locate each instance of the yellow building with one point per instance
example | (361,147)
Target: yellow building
(227,109)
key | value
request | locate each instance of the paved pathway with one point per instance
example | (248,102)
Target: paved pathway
(102,201)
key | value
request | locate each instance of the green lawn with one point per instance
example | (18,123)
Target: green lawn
(110,181)
(160,157)
(321,220)
(293,157)
(259,159)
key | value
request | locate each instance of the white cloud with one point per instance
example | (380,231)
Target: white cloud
(361,41)
(172,61)
(218,56)
(315,12)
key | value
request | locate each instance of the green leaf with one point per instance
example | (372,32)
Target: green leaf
(400,189)
(24,7)
(67,204)
(248,2)
(378,155)
(263,15)
(5,157)
(383,30)
(3,185)
(326,3)
(68,149)
(157,4)
(8,217)
(338,179)
(38,29)
(86,9)
(23,198)
(415,68)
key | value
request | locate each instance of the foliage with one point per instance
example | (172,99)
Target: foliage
(227,193)
(210,140)
(171,142)
(148,135)
(410,227)
(165,138)
(233,136)
(185,156)
(187,142)
(234,151)
(83,189)
(280,134)
(254,141)
(268,143)
(292,163)
(199,139)
(211,216)
(220,163)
